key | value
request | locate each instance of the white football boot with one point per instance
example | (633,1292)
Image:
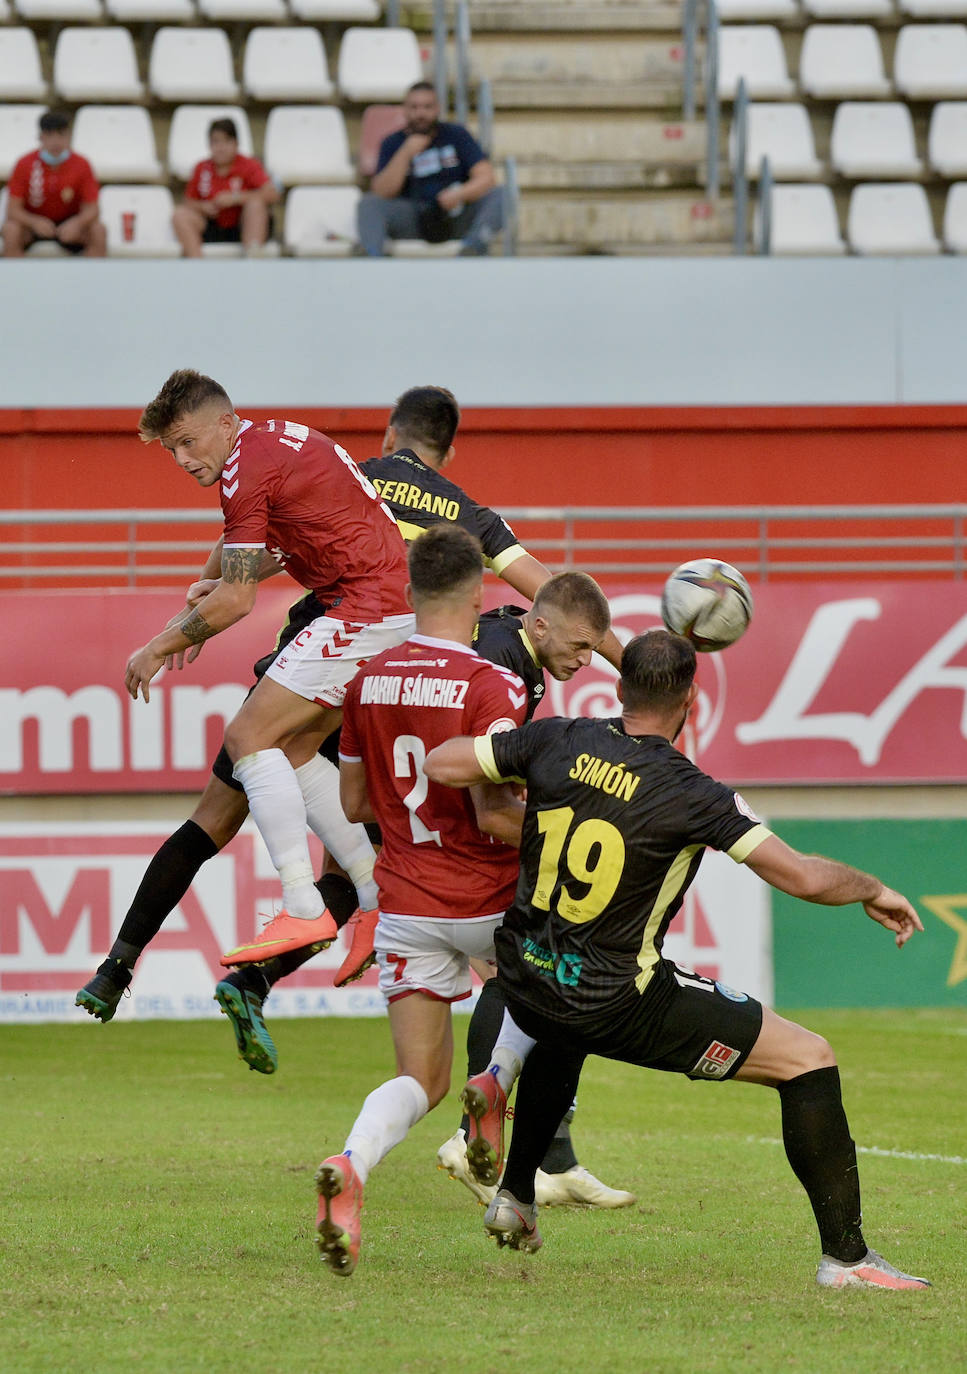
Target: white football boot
(452,1157)
(578,1188)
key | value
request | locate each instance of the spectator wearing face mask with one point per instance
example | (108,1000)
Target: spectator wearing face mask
(53,196)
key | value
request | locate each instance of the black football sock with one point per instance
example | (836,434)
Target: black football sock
(544,1093)
(339,895)
(560,1154)
(820,1149)
(482,1033)
(167,878)
(249,978)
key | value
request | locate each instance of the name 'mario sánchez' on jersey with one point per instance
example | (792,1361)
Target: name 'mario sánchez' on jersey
(609,777)
(386,690)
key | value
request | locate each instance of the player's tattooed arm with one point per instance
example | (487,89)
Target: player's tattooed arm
(196,628)
(242,565)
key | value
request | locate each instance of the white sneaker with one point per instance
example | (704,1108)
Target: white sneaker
(513,1223)
(578,1188)
(452,1157)
(872,1271)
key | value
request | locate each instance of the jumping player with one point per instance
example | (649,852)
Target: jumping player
(616,823)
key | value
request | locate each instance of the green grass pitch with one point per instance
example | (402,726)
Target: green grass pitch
(158,1208)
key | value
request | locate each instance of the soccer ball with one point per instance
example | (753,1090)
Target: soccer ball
(707,601)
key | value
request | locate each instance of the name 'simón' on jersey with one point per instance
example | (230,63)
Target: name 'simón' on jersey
(384,690)
(609,777)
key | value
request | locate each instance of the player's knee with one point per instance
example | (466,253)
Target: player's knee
(810,1051)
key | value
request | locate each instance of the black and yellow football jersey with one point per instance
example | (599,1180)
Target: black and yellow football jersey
(500,637)
(613,835)
(419,497)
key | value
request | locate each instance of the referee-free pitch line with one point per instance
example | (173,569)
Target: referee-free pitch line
(875,1150)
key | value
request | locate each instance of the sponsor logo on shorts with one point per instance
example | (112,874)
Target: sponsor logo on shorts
(716,1061)
(731,993)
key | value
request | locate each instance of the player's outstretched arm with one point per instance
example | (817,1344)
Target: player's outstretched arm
(231,599)
(814,878)
(454,763)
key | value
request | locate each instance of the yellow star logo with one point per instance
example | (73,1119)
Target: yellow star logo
(946,908)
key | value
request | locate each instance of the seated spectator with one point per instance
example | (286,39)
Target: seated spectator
(432,182)
(227,199)
(53,196)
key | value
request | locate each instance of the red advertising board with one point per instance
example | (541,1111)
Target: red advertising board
(839,682)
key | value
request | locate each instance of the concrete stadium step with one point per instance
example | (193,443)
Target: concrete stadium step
(574,16)
(603,223)
(593,150)
(593,72)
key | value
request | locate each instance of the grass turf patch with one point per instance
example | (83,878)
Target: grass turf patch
(159,1212)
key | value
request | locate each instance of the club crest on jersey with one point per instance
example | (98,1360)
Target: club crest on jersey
(731,993)
(715,1062)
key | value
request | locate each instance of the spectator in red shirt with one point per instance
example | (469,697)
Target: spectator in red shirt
(227,199)
(53,195)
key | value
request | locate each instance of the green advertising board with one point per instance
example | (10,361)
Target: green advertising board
(838,957)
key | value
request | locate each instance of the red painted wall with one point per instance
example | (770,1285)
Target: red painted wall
(578,457)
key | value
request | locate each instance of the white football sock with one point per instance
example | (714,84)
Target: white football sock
(347,842)
(388,1113)
(275,801)
(509,1052)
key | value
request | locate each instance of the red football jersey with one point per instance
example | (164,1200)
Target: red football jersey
(54,192)
(435,861)
(245,174)
(293,491)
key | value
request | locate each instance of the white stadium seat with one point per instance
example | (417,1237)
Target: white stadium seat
(307,145)
(118,141)
(731,10)
(96,64)
(784,134)
(20,74)
(419,248)
(320,221)
(74,11)
(18,134)
(188,135)
(138,222)
(246,11)
(804,221)
(955,218)
(849,9)
(947,139)
(151,11)
(378,64)
(934,9)
(286,64)
(874,140)
(842,62)
(931,61)
(754,52)
(345,11)
(891,220)
(192,64)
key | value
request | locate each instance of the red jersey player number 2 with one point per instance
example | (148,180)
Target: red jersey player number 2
(435,860)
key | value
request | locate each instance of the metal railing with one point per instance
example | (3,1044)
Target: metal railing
(765,541)
(691,14)
(763,224)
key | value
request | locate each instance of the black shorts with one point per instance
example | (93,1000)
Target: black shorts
(214,233)
(683,1023)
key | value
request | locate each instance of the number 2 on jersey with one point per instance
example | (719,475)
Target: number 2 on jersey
(409,755)
(592,838)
